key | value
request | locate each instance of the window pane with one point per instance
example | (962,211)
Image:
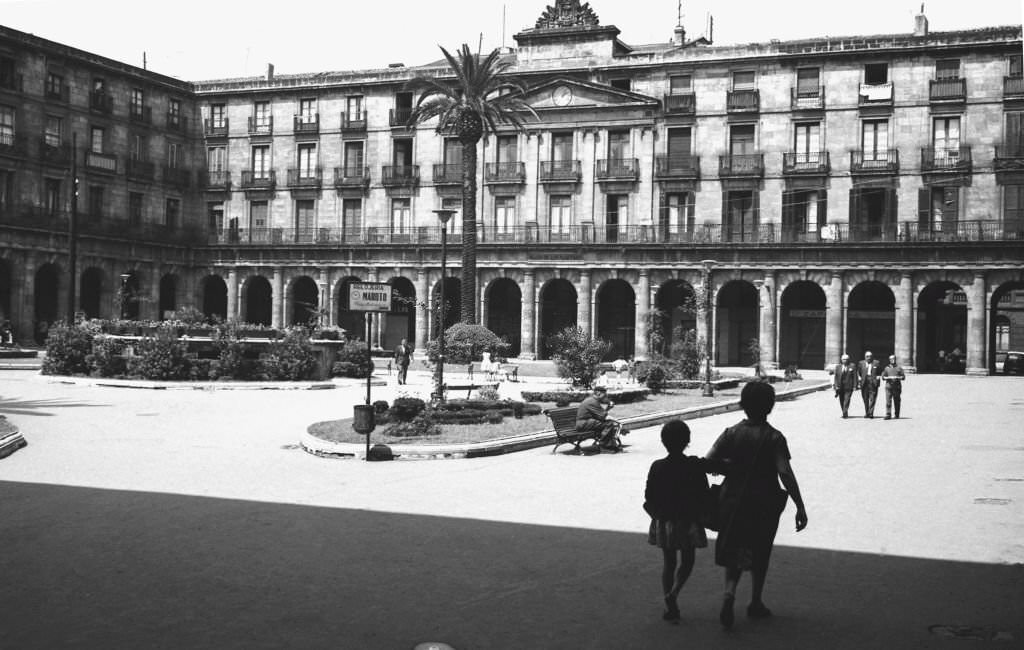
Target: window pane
(743,80)
(680,84)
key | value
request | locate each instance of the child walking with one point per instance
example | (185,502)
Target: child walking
(676,485)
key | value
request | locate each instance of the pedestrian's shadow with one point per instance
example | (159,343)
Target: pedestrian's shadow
(18,406)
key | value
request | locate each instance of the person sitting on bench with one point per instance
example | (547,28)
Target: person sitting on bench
(592,415)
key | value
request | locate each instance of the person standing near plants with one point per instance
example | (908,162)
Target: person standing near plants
(676,488)
(403,355)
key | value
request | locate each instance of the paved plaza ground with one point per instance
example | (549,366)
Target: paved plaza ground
(190,519)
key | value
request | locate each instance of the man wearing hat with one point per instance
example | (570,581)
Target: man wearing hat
(867,378)
(893,376)
(592,415)
(845,382)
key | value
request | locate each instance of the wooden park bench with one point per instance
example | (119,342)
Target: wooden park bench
(469,386)
(564,421)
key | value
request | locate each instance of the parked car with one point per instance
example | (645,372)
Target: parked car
(1014,363)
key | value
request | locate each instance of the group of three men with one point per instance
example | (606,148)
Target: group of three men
(865,377)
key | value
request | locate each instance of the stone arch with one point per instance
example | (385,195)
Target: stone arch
(90,299)
(870,320)
(304,300)
(802,325)
(452,300)
(257,300)
(215,296)
(941,327)
(1006,330)
(616,317)
(504,301)
(736,322)
(400,321)
(349,320)
(677,311)
(557,304)
(168,295)
(46,300)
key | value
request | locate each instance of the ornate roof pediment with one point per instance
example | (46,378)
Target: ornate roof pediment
(567,13)
(573,93)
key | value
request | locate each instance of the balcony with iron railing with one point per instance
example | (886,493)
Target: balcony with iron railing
(139,170)
(58,93)
(176,122)
(400,175)
(1009,157)
(882,161)
(140,114)
(680,104)
(807,98)
(305,178)
(504,172)
(12,145)
(618,169)
(743,101)
(947,90)
(217,180)
(263,179)
(177,177)
(261,125)
(560,171)
(1013,87)
(101,162)
(806,162)
(942,159)
(351,177)
(101,101)
(215,128)
(711,235)
(12,81)
(744,165)
(448,174)
(677,166)
(399,117)
(306,124)
(876,94)
(353,122)
(54,151)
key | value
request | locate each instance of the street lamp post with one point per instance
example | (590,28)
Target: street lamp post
(709,390)
(124,294)
(443,216)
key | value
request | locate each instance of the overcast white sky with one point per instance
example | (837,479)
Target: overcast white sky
(195,40)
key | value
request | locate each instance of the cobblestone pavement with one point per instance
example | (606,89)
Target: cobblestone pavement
(189,519)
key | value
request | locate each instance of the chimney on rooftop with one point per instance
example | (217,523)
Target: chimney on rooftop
(679,36)
(270,72)
(921,23)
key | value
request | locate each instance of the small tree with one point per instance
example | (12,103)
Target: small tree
(467,343)
(689,351)
(577,355)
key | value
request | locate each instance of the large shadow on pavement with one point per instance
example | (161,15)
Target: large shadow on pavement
(90,568)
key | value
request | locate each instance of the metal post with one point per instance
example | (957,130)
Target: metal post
(73,234)
(369,354)
(709,390)
(443,216)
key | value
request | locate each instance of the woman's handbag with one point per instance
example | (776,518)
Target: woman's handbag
(709,514)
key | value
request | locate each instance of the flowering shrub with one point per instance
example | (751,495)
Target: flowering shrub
(161,357)
(107,357)
(577,354)
(420,426)
(291,358)
(466,343)
(353,361)
(67,349)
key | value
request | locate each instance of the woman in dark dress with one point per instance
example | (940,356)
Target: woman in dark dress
(676,485)
(751,502)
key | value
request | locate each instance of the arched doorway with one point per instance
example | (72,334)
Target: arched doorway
(616,317)
(168,296)
(305,301)
(1007,318)
(504,312)
(870,321)
(941,327)
(47,307)
(557,311)
(130,296)
(353,322)
(400,322)
(258,301)
(802,326)
(677,312)
(453,303)
(91,290)
(736,323)
(215,297)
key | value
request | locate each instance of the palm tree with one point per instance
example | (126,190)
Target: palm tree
(469,107)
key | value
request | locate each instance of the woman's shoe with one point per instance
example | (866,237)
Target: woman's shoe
(726,617)
(758,610)
(671,612)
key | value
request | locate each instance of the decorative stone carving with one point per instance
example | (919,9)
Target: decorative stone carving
(568,13)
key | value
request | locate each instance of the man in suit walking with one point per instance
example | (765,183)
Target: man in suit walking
(402,357)
(893,375)
(867,379)
(845,382)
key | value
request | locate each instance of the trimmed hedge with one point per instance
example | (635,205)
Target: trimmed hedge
(618,396)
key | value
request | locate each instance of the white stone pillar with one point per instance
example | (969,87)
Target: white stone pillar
(834,319)
(903,348)
(528,344)
(643,307)
(232,295)
(766,331)
(421,312)
(277,300)
(977,363)
(584,310)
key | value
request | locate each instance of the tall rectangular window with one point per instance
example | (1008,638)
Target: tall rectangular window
(261,116)
(175,155)
(741,139)
(96,137)
(351,217)
(560,214)
(53,132)
(54,85)
(947,69)
(743,80)
(507,150)
(807,143)
(618,145)
(808,81)
(215,216)
(96,201)
(134,208)
(1016,65)
(307,111)
(218,116)
(353,159)
(136,102)
(876,73)
(946,135)
(680,84)
(354,107)
(561,147)
(504,214)
(258,213)
(1013,136)
(216,159)
(875,140)
(174,112)
(616,216)
(1013,208)
(455,224)
(6,126)
(305,218)
(401,216)
(6,189)
(51,196)
(137,147)
(678,215)
(172,213)
(680,142)
(452,151)
(307,160)
(402,152)
(261,162)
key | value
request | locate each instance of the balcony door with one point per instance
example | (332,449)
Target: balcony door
(740,212)
(946,141)
(676,216)
(741,147)
(807,144)
(616,216)
(1013,138)
(353,159)
(402,155)
(305,220)
(261,163)
(561,153)
(938,209)
(506,151)
(351,219)
(875,143)
(803,215)
(560,216)
(307,161)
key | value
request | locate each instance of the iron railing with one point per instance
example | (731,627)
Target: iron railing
(215,128)
(806,162)
(505,172)
(876,93)
(618,169)
(947,89)
(12,144)
(61,93)
(351,176)
(400,175)
(12,81)
(399,117)
(176,122)
(140,114)
(1013,86)
(810,98)
(177,176)
(882,161)
(748,164)
(677,166)
(37,217)
(261,125)
(353,122)
(682,104)
(103,162)
(957,159)
(259,180)
(305,178)
(140,170)
(53,153)
(101,101)
(448,174)
(743,101)
(217,180)
(560,171)
(306,124)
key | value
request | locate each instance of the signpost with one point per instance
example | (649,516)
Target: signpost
(368,297)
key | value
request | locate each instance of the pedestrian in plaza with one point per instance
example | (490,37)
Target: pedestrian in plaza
(403,355)
(676,487)
(751,502)
(6,335)
(867,381)
(592,415)
(893,376)
(844,382)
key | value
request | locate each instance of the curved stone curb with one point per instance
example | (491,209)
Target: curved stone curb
(11,439)
(193,385)
(326,448)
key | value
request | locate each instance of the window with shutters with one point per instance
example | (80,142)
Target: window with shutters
(261,162)
(680,84)
(946,69)
(258,214)
(676,221)
(740,215)
(560,214)
(1013,208)
(504,214)
(353,159)
(401,216)
(1013,136)
(6,126)
(803,214)
(938,210)
(305,220)
(808,82)
(875,142)
(807,144)
(351,218)
(134,208)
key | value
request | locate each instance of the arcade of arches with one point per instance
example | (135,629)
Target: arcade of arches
(802,318)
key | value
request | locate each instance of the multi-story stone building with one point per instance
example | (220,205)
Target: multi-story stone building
(833,194)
